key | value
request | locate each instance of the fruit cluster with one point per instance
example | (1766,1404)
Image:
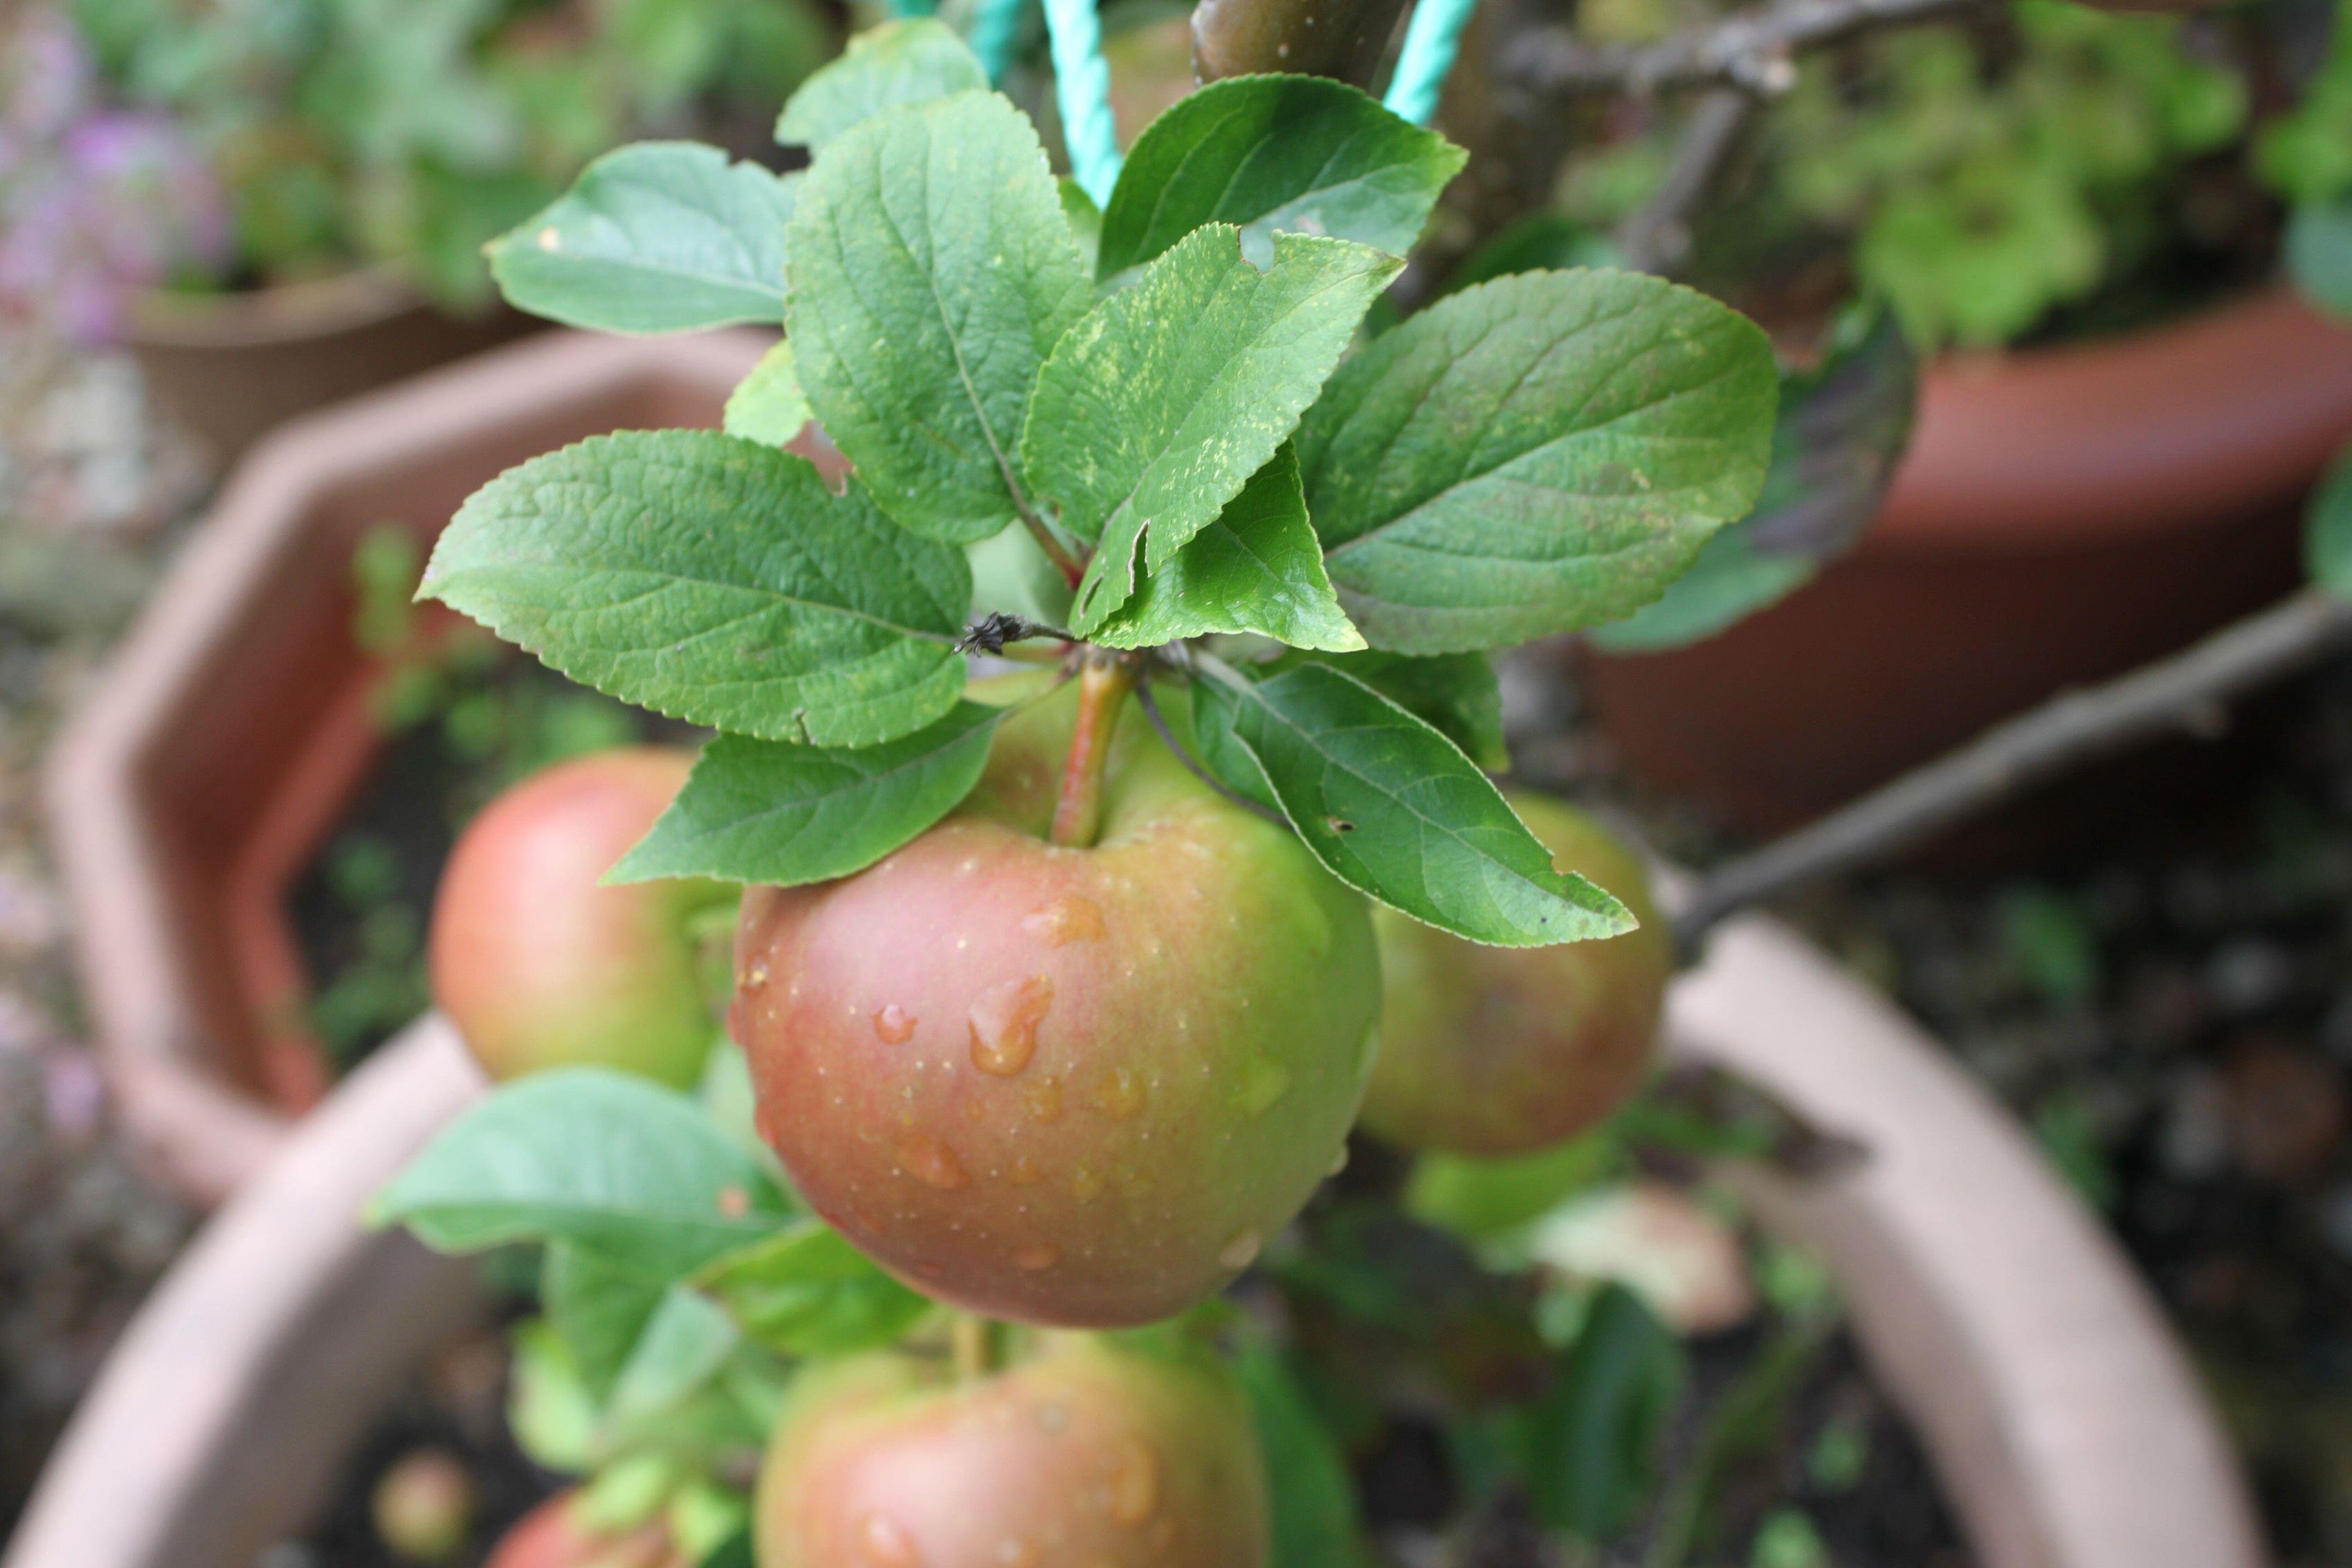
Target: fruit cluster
(1050,998)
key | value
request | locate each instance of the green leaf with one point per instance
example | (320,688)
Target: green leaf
(769,406)
(1593,1442)
(932,271)
(599,1307)
(1842,429)
(1534,456)
(1259,567)
(683,1346)
(1154,411)
(1308,1489)
(2327,529)
(592,1156)
(2319,252)
(767,812)
(715,580)
(1085,220)
(806,1292)
(1300,154)
(1454,693)
(549,1407)
(1395,810)
(661,236)
(914,60)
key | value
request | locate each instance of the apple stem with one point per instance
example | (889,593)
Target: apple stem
(1105,679)
(972,1341)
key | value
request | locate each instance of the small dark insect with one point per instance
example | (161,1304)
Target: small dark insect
(1339,824)
(992,632)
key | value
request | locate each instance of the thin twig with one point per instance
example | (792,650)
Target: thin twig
(2182,692)
(1168,738)
(1656,238)
(1750,50)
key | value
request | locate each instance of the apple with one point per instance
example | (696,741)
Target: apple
(1070,1086)
(1498,1050)
(552,1535)
(1083,1454)
(537,965)
(423,1506)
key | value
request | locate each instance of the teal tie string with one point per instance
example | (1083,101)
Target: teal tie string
(1082,93)
(1430,41)
(902,9)
(995,34)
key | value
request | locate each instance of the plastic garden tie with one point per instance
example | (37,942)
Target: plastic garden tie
(995,31)
(1082,93)
(1430,41)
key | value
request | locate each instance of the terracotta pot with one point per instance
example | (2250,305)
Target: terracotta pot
(230,367)
(2063,515)
(2059,1415)
(234,726)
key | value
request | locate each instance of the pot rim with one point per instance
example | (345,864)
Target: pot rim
(2230,410)
(2058,1414)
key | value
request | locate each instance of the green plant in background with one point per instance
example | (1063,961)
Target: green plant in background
(412,131)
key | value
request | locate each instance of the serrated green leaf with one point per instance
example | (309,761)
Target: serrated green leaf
(1842,430)
(1153,411)
(1309,1493)
(932,271)
(2319,253)
(768,406)
(599,1307)
(590,1156)
(769,812)
(1259,567)
(1534,456)
(806,1292)
(715,580)
(1454,693)
(660,237)
(1302,155)
(1396,811)
(2327,529)
(912,60)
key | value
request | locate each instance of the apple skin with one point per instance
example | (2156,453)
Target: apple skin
(1076,1087)
(539,967)
(1084,1455)
(1498,1050)
(550,1536)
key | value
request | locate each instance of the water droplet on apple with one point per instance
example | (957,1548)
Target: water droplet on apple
(1120,1096)
(1241,1251)
(1134,1482)
(932,1163)
(1071,918)
(1045,1099)
(1035,1259)
(1264,1083)
(894,1025)
(888,1546)
(1004,1024)
(755,977)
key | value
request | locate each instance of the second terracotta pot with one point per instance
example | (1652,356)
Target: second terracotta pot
(2062,515)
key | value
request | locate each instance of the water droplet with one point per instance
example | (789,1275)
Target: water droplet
(755,978)
(932,1163)
(1134,1482)
(1241,1251)
(1023,1172)
(1086,1183)
(1045,1099)
(888,1546)
(894,1025)
(1004,1024)
(1264,1081)
(1120,1096)
(1073,918)
(1339,1161)
(1035,1259)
